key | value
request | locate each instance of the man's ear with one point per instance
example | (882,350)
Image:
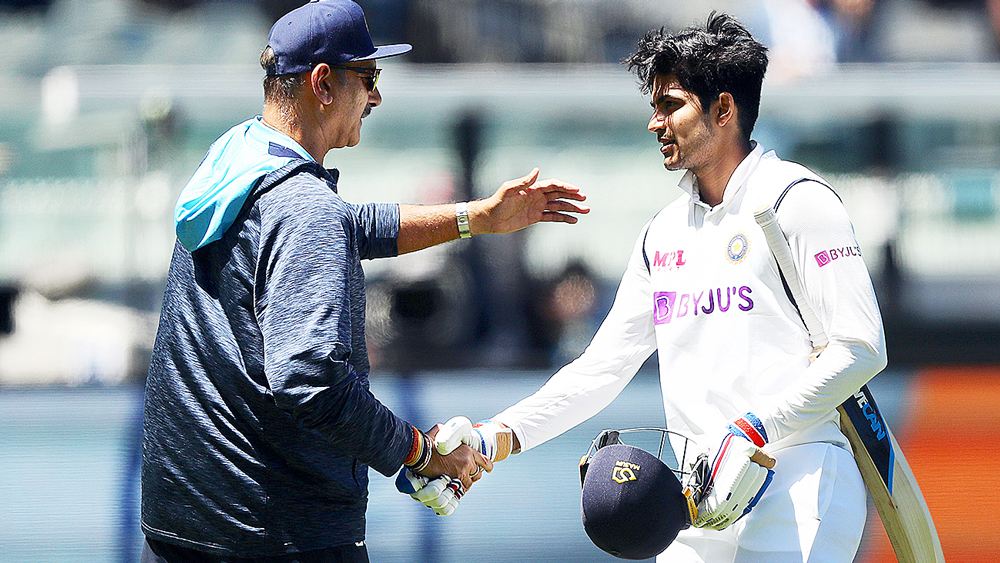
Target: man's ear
(321,81)
(725,110)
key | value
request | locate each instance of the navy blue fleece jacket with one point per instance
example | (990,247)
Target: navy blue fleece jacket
(259,424)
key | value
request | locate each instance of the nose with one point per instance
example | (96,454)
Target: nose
(374,97)
(657,123)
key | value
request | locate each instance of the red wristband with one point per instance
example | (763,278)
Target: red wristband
(414,454)
(418,459)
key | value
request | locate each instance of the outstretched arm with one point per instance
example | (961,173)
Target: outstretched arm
(517,204)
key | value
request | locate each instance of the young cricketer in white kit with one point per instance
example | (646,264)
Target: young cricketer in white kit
(703,289)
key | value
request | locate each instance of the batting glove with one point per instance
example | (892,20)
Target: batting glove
(492,439)
(441,494)
(728,487)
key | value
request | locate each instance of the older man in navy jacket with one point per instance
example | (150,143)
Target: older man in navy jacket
(259,423)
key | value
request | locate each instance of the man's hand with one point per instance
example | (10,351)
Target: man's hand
(443,492)
(728,487)
(525,201)
(462,462)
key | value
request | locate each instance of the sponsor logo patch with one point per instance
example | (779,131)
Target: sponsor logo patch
(670,260)
(669,305)
(827,256)
(663,306)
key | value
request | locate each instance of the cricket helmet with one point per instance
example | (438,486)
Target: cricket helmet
(633,504)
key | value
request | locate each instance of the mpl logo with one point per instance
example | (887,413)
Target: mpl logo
(827,256)
(670,260)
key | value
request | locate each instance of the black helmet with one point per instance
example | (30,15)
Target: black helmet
(633,504)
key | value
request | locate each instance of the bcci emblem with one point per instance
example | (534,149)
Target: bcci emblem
(738,247)
(623,472)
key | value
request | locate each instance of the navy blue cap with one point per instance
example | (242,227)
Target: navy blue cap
(324,31)
(633,506)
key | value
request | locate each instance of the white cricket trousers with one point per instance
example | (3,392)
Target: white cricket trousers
(813,512)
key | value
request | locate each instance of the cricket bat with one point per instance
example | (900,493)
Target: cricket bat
(887,476)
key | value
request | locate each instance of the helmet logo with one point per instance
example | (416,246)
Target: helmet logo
(624,471)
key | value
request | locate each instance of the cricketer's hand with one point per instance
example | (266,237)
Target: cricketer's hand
(443,493)
(492,439)
(728,487)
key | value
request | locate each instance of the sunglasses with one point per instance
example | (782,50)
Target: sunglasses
(370,74)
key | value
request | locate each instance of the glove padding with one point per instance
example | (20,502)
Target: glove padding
(492,439)
(440,494)
(728,487)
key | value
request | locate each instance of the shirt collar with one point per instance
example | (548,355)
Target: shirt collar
(269,137)
(689,183)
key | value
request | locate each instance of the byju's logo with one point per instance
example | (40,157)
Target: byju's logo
(825,257)
(663,306)
(669,305)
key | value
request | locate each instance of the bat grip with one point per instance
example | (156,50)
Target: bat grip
(776,241)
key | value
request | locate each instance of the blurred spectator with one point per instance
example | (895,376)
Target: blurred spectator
(940,30)
(169,5)
(993,7)
(853,22)
(570,306)
(24,5)
(987,10)
(806,37)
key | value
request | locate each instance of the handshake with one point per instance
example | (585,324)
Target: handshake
(440,476)
(719,489)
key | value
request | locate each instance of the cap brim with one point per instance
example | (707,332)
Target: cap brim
(384,51)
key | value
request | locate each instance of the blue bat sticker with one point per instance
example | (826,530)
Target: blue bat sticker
(872,430)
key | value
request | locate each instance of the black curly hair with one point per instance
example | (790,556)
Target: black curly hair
(706,61)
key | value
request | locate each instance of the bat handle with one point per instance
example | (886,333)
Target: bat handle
(762,458)
(764,215)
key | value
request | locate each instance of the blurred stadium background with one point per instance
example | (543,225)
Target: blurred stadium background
(107,106)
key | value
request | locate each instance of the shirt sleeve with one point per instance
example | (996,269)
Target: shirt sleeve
(839,289)
(590,383)
(307,290)
(377,229)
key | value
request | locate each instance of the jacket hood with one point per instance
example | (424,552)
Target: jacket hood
(212,199)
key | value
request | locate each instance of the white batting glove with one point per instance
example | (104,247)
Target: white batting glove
(728,487)
(492,439)
(441,494)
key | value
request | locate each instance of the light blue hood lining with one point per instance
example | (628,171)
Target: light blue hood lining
(236,161)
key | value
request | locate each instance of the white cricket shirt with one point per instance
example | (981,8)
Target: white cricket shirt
(703,288)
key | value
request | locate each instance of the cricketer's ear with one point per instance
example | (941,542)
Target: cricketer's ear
(724,109)
(321,81)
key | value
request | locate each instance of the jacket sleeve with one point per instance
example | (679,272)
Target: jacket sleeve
(306,292)
(839,289)
(587,385)
(377,229)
